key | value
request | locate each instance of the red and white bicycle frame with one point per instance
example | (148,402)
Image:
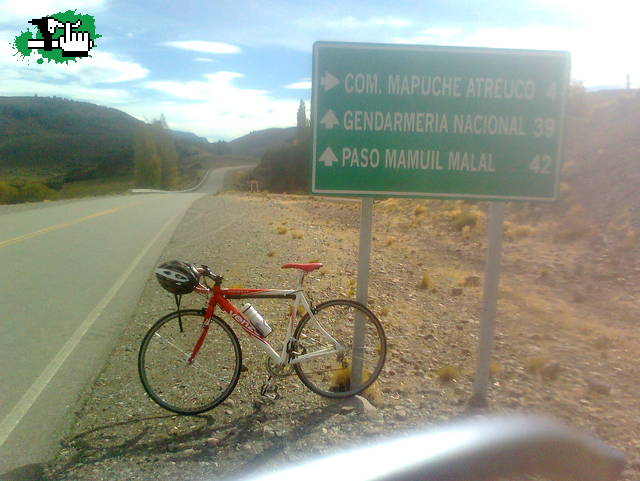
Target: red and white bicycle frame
(219,296)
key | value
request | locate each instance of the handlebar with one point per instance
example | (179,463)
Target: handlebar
(207,272)
(472,450)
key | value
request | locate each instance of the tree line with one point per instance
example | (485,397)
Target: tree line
(286,168)
(155,159)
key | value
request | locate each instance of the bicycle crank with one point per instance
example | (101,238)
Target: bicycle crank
(278,370)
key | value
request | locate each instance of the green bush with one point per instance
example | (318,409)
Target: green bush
(7,193)
(34,192)
(55,183)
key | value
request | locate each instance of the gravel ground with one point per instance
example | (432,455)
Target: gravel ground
(572,367)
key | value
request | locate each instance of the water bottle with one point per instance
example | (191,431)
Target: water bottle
(256,319)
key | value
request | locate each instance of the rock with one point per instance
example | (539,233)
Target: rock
(598,387)
(228,411)
(456,291)
(212,442)
(268,430)
(400,414)
(365,407)
(230,402)
(347,409)
(189,452)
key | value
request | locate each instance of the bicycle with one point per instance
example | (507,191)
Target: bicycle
(190,360)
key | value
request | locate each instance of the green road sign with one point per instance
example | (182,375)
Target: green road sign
(449,122)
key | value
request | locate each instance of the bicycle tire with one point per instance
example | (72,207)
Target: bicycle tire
(178,386)
(327,375)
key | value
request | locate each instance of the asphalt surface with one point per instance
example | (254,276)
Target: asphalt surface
(71,275)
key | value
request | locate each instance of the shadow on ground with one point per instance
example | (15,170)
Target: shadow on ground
(105,442)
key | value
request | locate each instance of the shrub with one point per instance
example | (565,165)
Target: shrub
(7,193)
(513,231)
(34,192)
(447,374)
(465,217)
(425,282)
(419,210)
(55,183)
(574,225)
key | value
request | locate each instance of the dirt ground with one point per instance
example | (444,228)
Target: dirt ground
(566,344)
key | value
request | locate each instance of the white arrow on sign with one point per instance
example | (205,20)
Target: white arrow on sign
(328,81)
(328,157)
(329,120)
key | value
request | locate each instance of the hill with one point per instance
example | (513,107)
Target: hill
(602,157)
(256,143)
(54,136)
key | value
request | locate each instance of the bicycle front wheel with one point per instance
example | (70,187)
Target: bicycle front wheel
(329,338)
(182,387)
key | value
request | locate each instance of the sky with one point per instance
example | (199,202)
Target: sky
(223,68)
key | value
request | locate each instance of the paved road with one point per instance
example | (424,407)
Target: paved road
(71,275)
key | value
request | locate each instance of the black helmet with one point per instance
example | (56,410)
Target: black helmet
(177,277)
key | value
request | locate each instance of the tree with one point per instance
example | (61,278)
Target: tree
(302,122)
(146,163)
(167,154)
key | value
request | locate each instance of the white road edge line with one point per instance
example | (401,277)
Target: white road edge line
(31,395)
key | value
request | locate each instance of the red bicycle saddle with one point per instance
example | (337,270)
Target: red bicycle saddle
(311,266)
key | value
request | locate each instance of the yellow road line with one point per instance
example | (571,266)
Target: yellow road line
(31,235)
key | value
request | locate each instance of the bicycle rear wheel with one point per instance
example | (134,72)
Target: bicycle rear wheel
(177,385)
(331,375)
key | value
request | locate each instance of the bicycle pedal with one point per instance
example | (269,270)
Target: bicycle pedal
(270,391)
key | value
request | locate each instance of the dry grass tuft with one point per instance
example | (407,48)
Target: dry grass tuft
(297,235)
(514,231)
(300,310)
(419,210)
(535,365)
(281,230)
(602,342)
(425,282)
(341,381)
(448,374)
(465,217)
(574,225)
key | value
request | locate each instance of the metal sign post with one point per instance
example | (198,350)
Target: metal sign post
(489,301)
(364,253)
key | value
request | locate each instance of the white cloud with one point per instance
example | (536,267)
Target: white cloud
(202,59)
(598,58)
(101,67)
(218,108)
(352,22)
(303,84)
(23,11)
(203,46)
(442,32)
